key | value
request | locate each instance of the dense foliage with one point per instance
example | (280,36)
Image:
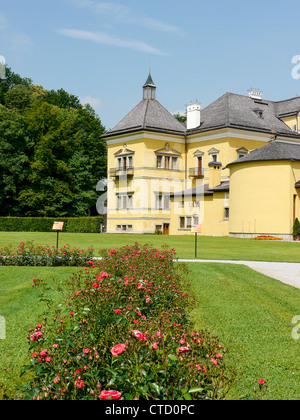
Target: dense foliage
(45,224)
(51,153)
(123,332)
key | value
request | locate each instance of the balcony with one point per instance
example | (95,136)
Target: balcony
(196,173)
(127,172)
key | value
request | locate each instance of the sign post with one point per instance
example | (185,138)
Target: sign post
(196,230)
(58,227)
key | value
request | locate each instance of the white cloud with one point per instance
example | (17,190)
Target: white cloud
(107,39)
(126,15)
(94,102)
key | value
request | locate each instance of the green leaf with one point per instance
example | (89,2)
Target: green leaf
(155,387)
(172,357)
(196,390)
(187,396)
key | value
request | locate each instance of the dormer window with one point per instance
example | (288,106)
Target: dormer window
(259,112)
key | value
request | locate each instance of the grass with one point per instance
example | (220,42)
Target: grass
(252,315)
(22,309)
(208,247)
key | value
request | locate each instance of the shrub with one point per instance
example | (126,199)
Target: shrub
(123,331)
(296,228)
(29,254)
(45,224)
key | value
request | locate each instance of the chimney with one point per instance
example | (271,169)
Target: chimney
(214,174)
(193,112)
(255,93)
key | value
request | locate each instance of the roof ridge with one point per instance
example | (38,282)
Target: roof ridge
(145,115)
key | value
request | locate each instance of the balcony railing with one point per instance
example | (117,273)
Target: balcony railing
(196,172)
(127,171)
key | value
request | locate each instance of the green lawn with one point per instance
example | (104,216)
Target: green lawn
(208,247)
(22,309)
(252,315)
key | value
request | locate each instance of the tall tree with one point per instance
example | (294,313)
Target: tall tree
(51,153)
(15,150)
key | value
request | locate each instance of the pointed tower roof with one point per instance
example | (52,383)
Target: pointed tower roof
(148,115)
(149,81)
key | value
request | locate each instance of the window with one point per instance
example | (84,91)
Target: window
(124,228)
(241,152)
(226,213)
(214,157)
(162,201)
(159,161)
(186,222)
(214,154)
(124,201)
(125,162)
(166,162)
(158,227)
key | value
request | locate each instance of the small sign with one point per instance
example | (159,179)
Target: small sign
(196,229)
(58,226)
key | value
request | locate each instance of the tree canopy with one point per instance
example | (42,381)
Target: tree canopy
(51,151)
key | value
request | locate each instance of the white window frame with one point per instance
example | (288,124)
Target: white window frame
(124,201)
(162,201)
(194,221)
(173,162)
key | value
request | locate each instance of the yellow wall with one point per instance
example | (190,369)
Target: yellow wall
(210,212)
(149,180)
(228,151)
(291,121)
(261,200)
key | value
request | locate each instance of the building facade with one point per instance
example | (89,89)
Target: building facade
(230,169)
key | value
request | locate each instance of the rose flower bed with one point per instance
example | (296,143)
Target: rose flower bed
(29,254)
(123,332)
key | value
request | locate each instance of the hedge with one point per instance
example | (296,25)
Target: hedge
(45,224)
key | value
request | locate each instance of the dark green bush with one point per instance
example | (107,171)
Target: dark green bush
(45,224)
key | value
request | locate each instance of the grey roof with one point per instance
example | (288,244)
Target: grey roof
(273,151)
(149,114)
(230,110)
(224,186)
(238,111)
(200,190)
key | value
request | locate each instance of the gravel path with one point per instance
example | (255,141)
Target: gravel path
(288,273)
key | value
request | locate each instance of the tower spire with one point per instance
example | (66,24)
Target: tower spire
(149,88)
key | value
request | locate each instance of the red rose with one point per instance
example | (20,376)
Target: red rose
(43,353)
(110,395)
(118,349)
(261,381)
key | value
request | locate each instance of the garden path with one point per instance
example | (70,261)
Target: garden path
(288,273)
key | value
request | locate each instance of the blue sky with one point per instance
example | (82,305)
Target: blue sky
(101,50)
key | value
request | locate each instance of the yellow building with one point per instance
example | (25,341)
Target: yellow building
(214,171)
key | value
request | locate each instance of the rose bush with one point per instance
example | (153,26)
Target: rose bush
(29,254)
(107,340)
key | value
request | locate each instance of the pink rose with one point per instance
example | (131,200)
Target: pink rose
(110,395)
(183,349)
(118,349)
(79,383)
(138,334)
